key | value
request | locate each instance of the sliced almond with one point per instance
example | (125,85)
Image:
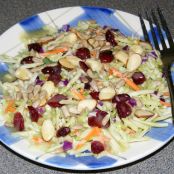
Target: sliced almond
(143,113)
(94,65)
(121,56)
(86,104)
(49,88)
(71,37)
(137,49)
(65,111)
(74,110)
(134,62)
(73,60)
(47,130)
(23,73)
(18,96)
(65,63)
(107,93)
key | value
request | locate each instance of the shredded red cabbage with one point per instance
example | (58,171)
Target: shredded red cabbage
(132,102)
(100,103)
(152,54)
(65,28)
(65,82)
(41,110)
(38,81)
(67,145)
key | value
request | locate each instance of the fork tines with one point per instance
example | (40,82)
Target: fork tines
(155,40)
(165,27)
(158,31)
(145,33)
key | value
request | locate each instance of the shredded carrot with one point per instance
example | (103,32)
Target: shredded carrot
(81,91)
(166,94)
(56,51)
(46,41)
(77,94)
(165,104)
(131,84)
(94,132)
(37,140)
(113,71)
(10,107)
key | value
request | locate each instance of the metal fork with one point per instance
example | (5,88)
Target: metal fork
(167,54)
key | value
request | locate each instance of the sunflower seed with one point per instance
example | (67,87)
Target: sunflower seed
(95,44)
(106,47)
(36,103)
(30,88)
(101,43)
(100,38)
(36,90)
(18,95)
(43,94)
(25,96)
(91,41)
(30,96)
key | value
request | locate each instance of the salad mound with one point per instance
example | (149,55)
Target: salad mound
(84,88)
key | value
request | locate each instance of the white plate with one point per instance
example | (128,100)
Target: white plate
(128,24)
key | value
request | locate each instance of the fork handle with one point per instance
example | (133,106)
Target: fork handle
(167,71)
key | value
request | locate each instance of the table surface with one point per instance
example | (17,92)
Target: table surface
(12,11)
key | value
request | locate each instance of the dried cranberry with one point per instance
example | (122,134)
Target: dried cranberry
(121,98)
(162,99)
(52,69)
(36,47)
(54,101)
(123,109)
(34,114)
(94,95)
(97,147)
(63,131)
(110,37)
(83,53)
(83,66)
(106,56)
(18,121)
(126,48)
(27,60)
(99,117)
(87,86)
(91,121)
(55,78)
(97,120)
(138,78)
